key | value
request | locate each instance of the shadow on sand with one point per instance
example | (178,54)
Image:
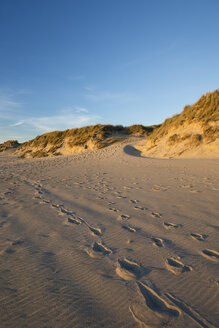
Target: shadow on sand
(129,150)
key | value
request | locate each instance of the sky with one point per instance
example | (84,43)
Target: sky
(71,63)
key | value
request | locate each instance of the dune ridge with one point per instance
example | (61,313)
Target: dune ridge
(192,133)
(76,140)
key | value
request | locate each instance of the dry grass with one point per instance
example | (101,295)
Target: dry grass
(100,135)
(204,111)
(192,139)
(80,136)
(141,130)
(10,144)
(210,133)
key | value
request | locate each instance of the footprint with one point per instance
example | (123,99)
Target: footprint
(155,303)
(156,215)
(137,319)
(8,251)
(129,228)
(18,242)
(117,192)
(128,270)
(2,223)
(176,267)
(139,208)
(38,192)
(74,221)
(159,188)
(210,254)
(44,235)
(157,242)
(199,236)
(169,225)
(63,211)
(36,197)
(98,249)
(123,217)
(127,188)
(113,209)
(56,205)
(134,201)
(44,201)
(111,203)
(99,197)
(94,231)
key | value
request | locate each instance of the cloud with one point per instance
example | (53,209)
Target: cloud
(81,109)
(8,105)
(13,117)
(90,87)
(73,110)
(58,122)
(17,123)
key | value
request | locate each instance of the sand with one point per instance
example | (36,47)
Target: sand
(108,238)
(187,146)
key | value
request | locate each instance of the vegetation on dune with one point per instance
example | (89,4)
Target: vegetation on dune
(9,145)
(192,139)
(53,138)
(79,136)
(205,112)
(100,135)
(210,133)
(141,130)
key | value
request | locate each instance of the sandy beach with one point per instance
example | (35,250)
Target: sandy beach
(109,238)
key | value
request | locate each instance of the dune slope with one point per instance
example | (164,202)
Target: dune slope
(192,133)
(79,140)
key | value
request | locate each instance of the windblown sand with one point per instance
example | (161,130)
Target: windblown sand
(109,239)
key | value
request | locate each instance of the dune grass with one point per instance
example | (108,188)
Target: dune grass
(80,136)
(9,144)
(101,135)
(204,111)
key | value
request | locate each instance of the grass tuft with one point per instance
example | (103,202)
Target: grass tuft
(204,111)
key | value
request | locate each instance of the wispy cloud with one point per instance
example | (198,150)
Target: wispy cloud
(89,87)
(81,109)
(73,109)
(17,123)
(14,119)
(8,103)
(58,122)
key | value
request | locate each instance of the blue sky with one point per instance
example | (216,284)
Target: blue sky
(70,63)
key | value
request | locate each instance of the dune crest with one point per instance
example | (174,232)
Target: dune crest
(193,133)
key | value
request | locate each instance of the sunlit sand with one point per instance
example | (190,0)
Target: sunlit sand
(108,238)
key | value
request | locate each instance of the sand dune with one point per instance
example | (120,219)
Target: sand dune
(108,238)
(194,133)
